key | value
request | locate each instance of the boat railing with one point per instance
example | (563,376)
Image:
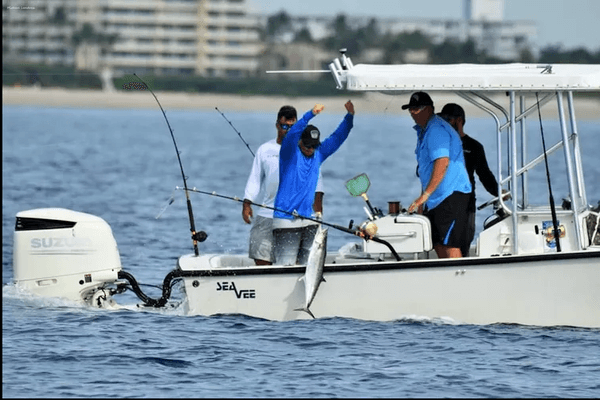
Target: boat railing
(543,83)
(518,168)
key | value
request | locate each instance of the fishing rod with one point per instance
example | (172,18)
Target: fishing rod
(196,236)
(551,197)
(178,273)
(239,134)
(360,233)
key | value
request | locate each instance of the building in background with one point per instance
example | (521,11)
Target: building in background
(295,57)
(217,38)
(483,22)
(38,31)
(212,38)
(484,10)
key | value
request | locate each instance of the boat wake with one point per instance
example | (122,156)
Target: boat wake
(15,294)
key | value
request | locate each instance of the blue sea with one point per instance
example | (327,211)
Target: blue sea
(121,165)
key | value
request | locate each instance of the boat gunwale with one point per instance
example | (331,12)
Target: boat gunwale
(391,265)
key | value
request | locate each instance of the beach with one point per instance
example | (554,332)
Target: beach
(369,103)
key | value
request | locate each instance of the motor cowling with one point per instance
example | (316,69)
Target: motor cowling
(63,253)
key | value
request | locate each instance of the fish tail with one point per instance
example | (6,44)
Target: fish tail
(306,310)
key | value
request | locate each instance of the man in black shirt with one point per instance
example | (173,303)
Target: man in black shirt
(475,162)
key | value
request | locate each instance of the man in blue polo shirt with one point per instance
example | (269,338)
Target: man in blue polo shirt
(444,178)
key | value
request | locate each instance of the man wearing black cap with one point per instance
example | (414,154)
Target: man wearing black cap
(475,161)
(300,159)
(261,188)
(444,179)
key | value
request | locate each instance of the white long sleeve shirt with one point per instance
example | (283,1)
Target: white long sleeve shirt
(263,181)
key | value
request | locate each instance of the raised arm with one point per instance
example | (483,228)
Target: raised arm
(335,140)
(293,136)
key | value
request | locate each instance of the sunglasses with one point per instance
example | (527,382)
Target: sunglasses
(416,109)
(285,127)
(311,146)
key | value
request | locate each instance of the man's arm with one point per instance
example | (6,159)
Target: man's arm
(439,171)
(318,204)
(486,177)
(319,192)
(252,187)
(440,166)
(337,138)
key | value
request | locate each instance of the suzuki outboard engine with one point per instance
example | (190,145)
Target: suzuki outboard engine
(63,253)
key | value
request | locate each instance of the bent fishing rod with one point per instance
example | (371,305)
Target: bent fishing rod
(239,134)
(196,236)
(178,273)
(550,195)
(295,214)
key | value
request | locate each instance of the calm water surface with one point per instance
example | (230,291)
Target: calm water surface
(121,166)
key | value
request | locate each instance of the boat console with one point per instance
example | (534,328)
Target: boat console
(408,234)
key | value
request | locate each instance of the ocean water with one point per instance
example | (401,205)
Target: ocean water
(121,165)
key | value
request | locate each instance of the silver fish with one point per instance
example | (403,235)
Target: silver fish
(313,276)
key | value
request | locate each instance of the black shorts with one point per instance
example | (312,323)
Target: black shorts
(449,220)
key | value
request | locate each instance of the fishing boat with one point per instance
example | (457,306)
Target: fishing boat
(531,264)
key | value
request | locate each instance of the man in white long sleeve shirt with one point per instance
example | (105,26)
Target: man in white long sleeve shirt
(261,188)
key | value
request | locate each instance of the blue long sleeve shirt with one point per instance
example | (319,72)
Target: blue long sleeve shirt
(298,174)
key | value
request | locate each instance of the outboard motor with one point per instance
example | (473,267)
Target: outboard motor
(63,253)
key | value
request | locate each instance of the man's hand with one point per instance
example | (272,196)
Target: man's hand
(349,107)
(318,108)
(417,205)
(247,212)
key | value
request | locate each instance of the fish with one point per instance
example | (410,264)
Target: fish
(313,276)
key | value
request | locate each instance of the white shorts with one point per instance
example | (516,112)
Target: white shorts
(261,239)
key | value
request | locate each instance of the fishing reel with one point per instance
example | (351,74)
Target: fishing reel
(368,228)
(199,236)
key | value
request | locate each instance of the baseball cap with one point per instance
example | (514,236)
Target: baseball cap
(418,99)
(310,136)
(452,110)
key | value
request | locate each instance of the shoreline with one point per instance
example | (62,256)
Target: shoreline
(368,103)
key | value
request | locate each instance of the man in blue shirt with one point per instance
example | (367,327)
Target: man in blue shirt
(475,161)
(444,178)
(300,159)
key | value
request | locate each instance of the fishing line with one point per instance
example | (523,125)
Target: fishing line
(389,104)
(169,202)
(551,197)
(295,214)
(239,134)
(196,236)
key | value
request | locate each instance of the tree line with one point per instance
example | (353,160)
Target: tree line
(394,47)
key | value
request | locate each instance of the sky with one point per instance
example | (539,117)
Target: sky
(569,23)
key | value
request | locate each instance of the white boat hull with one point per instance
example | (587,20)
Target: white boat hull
(544,290)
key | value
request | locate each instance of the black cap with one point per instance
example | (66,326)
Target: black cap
(311,136)
(452,110)
(418,99)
